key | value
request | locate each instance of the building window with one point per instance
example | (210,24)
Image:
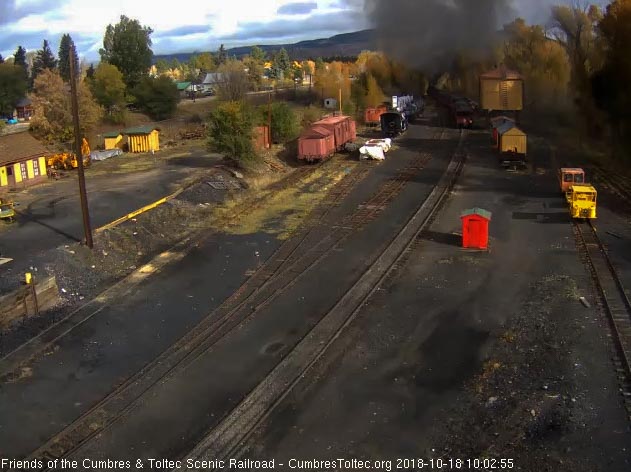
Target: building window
(36,167)
(23,169)
(9,170)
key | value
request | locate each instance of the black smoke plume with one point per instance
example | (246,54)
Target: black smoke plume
(427,34)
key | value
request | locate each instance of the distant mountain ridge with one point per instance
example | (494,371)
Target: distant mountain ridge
(340,45)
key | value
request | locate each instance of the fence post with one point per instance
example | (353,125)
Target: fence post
(35,298)
(25,304)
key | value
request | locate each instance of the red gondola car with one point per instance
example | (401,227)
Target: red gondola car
(316,144)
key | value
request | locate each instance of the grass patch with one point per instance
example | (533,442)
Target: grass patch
(279,212)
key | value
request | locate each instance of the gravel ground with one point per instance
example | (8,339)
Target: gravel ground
(82,273)
(232,204)
(533,402)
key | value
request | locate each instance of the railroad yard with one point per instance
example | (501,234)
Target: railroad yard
(351,326)
(401,248)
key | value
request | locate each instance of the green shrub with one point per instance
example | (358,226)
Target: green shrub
(157,97)
(284,123)
(230,132)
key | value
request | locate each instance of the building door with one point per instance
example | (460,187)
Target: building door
(475,231)
(10,176)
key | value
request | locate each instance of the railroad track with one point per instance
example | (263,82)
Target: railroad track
(11,367)
(611,298)
(290,263)
(393,187)
(228,439)
(616,184)
(252,296)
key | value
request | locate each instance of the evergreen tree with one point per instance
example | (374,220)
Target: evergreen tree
(1,59)
(44,59)
(282,63)
(257,54)
(20,57)
(12,87)
(222,55)
(65,46)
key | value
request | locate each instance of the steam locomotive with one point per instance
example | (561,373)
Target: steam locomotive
(393,123)
(396,121)
(461,110)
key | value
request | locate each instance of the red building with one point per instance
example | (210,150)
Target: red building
(24,109)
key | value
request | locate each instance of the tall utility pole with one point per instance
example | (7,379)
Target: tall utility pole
(340,99)
(269,119)
(77,142)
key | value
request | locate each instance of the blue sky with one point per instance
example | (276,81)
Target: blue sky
(190,25)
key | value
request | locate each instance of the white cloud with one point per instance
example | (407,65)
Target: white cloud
(87,20)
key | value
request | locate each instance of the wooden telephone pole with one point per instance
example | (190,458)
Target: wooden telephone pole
(77,139)
(269,119)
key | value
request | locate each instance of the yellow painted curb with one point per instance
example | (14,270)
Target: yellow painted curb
(134,213)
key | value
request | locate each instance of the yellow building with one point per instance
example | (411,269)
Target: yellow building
(113,140)
(502,89)
(22,161)
(143,139)
(512,139)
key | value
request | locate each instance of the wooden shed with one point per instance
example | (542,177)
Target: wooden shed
(475,228)
(496,123)
(502,89)
(22,161)
(113,140)
(143,138)
(512,139)
(261,137)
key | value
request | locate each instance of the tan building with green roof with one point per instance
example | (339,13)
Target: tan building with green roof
(22,161)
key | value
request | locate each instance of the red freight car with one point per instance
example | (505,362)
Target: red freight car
(316,144)
(372,115)
(340,127)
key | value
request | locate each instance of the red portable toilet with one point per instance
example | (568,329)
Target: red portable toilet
(475,228)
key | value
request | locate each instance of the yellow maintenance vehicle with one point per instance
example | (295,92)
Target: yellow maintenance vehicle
(68,161)
(7,212)
(582,201)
